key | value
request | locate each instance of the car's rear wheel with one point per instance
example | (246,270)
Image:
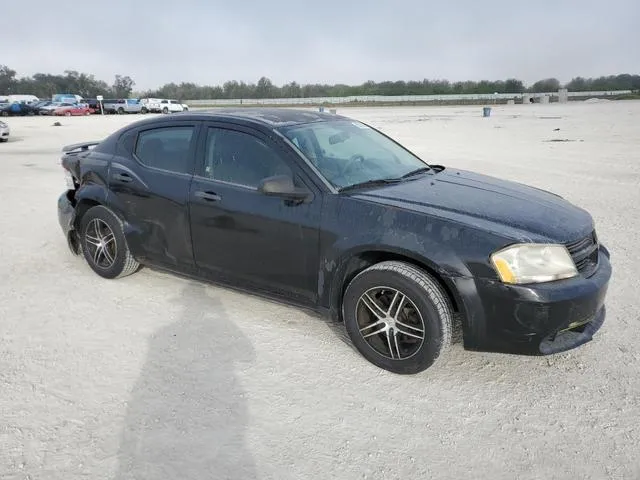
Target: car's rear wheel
(120,111)
(104,245)
(165,110)
(144,110)
(398,317)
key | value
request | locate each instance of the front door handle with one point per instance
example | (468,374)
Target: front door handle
(122,177)
(208,196)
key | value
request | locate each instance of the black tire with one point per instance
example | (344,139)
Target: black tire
(116,260)
(425,317)
(165,110)
(120,111)
(144,110)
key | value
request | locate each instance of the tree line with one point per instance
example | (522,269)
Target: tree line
(44,85)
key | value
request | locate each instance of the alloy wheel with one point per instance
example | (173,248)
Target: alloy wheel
(390,323)
(101,243)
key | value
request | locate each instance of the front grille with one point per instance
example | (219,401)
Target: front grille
(584,253)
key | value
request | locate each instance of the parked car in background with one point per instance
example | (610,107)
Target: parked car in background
(327,212)
(122,106)
(49,109)
(172,106)
(69,110)
(40,103)
(151,105)
(4,131)
(107,104)
(16,109)
(93,104)
(42,106)
(163,105)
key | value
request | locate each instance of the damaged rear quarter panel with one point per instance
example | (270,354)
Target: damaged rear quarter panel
(91,172)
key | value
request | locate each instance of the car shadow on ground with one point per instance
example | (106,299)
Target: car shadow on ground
(187,413)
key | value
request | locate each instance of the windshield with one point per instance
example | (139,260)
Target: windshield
(348,152)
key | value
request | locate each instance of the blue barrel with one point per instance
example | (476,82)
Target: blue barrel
(486,111)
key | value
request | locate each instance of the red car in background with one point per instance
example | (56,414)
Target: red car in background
(69,110)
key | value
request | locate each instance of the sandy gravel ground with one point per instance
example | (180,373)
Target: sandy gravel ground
(157,377)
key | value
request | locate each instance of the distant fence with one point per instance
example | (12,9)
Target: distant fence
(462,98)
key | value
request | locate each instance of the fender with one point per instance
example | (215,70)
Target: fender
(424,240)
(348,256)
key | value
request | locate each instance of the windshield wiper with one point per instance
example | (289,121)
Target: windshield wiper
(417,171)
(370,183)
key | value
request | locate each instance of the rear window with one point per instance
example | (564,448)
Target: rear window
(165,148)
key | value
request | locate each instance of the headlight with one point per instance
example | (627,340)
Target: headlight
(533,263)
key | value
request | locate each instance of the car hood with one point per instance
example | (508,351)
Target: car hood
(504,207)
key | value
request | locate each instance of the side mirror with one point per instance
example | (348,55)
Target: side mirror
(282,186)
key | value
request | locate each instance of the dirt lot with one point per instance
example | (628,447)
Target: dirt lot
(157,377)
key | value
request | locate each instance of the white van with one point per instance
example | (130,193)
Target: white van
(22,99)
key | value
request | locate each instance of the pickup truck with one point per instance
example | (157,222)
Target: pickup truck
(163,105)
(122,106)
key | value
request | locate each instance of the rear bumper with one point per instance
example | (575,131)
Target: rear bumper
(66,218)
(534,320)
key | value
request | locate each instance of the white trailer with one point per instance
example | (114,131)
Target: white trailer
(22,98)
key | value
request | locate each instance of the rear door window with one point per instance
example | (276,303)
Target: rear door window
(166,148)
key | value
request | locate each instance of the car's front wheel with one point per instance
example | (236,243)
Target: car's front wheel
(104,245)
(398,317)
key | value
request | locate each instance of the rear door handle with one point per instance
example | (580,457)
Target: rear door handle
(122,177)
(208,196)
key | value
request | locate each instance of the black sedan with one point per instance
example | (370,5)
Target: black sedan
(326,212)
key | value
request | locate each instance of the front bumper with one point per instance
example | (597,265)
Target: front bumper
(535,319)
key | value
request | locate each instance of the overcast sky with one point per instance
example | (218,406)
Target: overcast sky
(332,41)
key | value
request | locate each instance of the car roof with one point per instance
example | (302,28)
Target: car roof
(269,116)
